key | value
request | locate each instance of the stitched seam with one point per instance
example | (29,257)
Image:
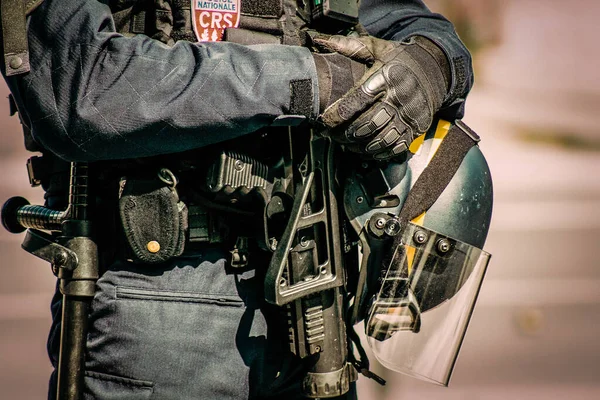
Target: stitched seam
(252,86)
(107,55)
(147,385)
(257,77)
(132,293)
(187,300)
(184,293)
(136,144)
(64,128)
(160,60)
(141,97)
(362,48)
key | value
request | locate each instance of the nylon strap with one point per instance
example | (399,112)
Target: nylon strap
(435,177)
(14,36)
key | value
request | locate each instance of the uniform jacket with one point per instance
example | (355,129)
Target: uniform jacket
(94,94)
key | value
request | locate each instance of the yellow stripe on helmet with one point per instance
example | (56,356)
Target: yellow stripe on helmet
(440,133)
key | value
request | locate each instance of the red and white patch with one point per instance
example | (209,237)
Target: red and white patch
(211,18)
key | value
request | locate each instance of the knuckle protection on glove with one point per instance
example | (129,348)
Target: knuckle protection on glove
(413,79)
(375,84)
(369,124)
(407,93)
(379,133)
(396,99)
(390,143)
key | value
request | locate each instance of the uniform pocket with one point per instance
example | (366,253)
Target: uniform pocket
(182,329)
(112,387)
(130,293)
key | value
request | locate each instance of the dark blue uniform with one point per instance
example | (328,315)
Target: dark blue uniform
(93,94)
(184,329)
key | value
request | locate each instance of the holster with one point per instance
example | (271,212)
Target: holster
(153,219)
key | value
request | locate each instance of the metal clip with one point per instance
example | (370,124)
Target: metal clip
(239,254)
(168,177)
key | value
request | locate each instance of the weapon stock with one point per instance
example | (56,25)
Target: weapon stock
(306,273)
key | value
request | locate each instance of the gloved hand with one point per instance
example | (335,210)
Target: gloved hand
(395,100)
(336,75)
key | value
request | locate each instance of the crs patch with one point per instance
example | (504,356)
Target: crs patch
(211,17)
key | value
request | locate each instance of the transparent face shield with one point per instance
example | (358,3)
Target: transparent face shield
(417,321)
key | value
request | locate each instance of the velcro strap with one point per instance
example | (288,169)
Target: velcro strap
(248,37)
(301,97)
(436,176)
(263,8)
(14,35)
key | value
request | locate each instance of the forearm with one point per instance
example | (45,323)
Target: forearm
(400,19)
(94,94)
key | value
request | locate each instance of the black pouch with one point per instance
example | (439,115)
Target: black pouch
(154,220)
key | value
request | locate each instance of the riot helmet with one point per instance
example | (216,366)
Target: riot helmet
(419,278)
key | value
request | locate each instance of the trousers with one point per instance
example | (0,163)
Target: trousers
(189,328)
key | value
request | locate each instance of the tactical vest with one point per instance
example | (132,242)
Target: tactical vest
(260,22)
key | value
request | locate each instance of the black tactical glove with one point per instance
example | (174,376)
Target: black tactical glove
(396,99)
(336,75)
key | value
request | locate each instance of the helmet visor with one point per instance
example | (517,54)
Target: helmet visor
(417,322)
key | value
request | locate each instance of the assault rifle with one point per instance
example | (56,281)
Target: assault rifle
(306,274)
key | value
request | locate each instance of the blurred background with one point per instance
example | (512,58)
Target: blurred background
(536,327)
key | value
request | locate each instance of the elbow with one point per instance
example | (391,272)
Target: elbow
(66,141)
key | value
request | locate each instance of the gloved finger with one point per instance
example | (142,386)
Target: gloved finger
(392,141)
(380,133)
(385,154)
(391,152)
(366,49)
(355,132)
(369,124)
(353,47)
(351,104)
(360,30)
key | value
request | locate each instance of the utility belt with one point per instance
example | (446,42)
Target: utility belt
(160,218)
(163,206)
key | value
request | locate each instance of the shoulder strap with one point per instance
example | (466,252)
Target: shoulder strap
(439,172)
(436,176)
(14,34)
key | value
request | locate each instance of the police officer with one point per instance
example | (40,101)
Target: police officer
(188,327)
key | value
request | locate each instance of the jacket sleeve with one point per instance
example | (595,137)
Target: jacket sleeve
(401,19)
(94,94)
